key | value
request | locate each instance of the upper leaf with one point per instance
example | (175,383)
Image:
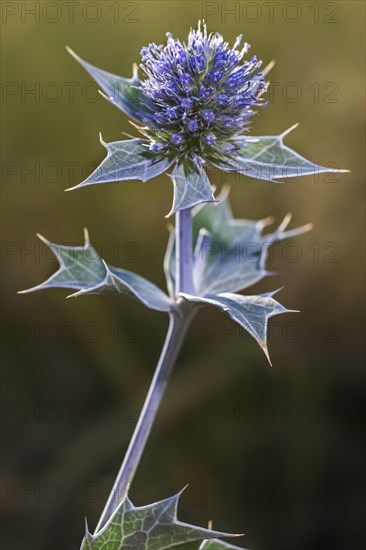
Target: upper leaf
(82,269)
(127,160)
(250,312)
(191,186)
(268,158)
(229,254)
(151,527)
(126,93)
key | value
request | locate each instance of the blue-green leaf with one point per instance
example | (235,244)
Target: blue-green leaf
(229,254)
(151,527)
(126,160)
(126,93)
(268,158)
(250,312)
(83,270)
(191,187)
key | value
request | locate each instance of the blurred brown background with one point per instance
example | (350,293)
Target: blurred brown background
(276,453)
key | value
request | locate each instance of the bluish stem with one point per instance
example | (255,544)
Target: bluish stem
(178,326)
(184,272)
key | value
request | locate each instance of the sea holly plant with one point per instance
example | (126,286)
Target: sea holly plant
(192,106)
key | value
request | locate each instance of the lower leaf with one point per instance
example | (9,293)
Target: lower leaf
(83,270)
(151,527)
(250,312)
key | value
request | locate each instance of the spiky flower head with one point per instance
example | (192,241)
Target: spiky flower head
(193,106)
(200,95)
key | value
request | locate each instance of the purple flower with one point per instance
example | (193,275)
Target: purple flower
(193,86)
(208,115)
(193,125)
(209,138)
(177,139)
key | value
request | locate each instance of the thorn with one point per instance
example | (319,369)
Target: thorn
(71,52)
(72,188)
(128,135)
(273,292)
(101,140)
(225,191)
(268,273)
(265,221)
(137,125)
(308,226)
(135,71)
(86,236)
(286,132)
(43,239)
(265,351)
(172,211)
(268,67)
(286,220)
(105,96)
(209,524)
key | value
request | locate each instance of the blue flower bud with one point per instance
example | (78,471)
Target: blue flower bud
(208,115)
(172,112)
(222,100)
(156,147)
(213,77)
(203,92)
(187,103)
(198,63)
(177,139)
(209,138)
(220,60)
(193,125)
(186,81)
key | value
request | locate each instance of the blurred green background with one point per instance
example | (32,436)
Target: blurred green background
(275,453)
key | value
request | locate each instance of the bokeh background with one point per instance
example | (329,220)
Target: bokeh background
(275,453)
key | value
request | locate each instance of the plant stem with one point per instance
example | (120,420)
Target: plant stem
(178,326)
(183,231)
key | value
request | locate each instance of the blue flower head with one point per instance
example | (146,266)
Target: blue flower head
(200,95)
(193,106)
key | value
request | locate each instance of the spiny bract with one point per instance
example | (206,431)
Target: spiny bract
(193,106)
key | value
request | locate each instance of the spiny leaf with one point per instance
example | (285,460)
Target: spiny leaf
(191,187)
(126,160)
(268,158)
(250,312)
(126,93)
(229,254)
(151,527)
(82,269)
